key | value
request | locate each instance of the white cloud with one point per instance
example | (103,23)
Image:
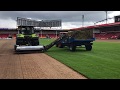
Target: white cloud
(7,23)
(71,19)
(69,25)
(115,13)
(110,17)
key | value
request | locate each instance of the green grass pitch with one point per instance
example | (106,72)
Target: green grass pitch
(103,62)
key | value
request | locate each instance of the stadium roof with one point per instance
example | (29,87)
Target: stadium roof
(98,26)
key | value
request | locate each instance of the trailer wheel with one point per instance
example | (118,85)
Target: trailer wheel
(72,47)
(56,45)
(88,47)
(60,46)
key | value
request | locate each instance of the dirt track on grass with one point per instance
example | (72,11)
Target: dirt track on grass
(32,65)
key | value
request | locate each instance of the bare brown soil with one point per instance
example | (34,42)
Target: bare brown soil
(32,65)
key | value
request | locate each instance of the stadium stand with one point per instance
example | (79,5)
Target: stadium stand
(104,31)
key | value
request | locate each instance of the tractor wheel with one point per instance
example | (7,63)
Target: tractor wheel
(15,48)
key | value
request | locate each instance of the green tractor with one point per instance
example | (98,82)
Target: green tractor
(26,39)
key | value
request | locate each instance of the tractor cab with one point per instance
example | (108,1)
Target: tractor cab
(26,30)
